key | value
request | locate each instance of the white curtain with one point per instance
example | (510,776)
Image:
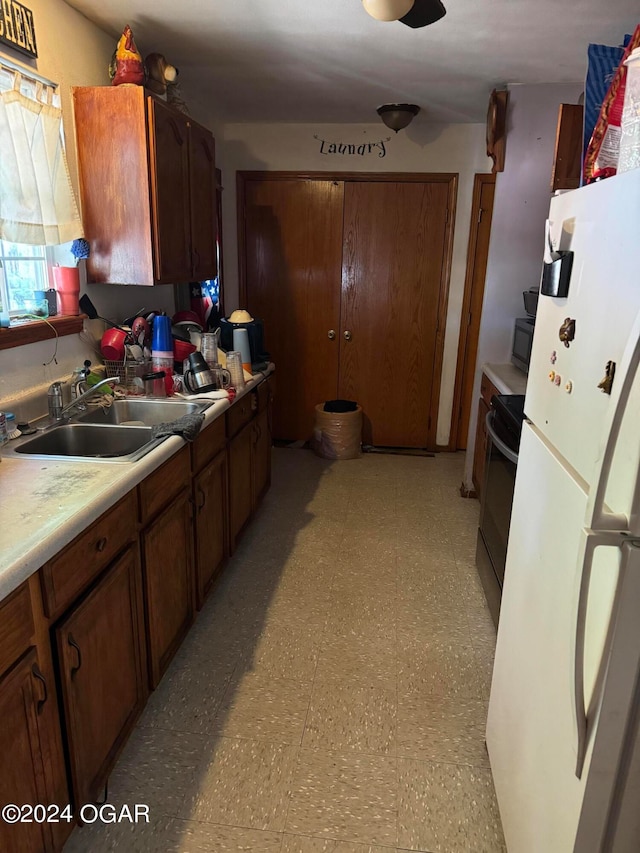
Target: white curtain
(37,205)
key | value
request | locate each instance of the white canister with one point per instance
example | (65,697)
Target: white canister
(629,157)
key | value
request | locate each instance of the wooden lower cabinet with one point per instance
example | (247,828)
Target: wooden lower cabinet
(240,482)
(167,545)
(210,497)
(110,611)
(23,694)
(102,673)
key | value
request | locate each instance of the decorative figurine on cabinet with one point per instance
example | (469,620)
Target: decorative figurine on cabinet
(126,63)
(160,75)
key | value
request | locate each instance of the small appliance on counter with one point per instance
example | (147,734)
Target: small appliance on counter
(255,329)
(523,330)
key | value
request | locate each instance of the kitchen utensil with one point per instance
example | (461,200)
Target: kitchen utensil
(234,366)
(221,377)
(67,282)
(209,343)
(87,307)
(141,331)
(161,340)
(186,317)
(135,352)
(198,378)
(155,384)
(112,344)
(241,343)
(182,349)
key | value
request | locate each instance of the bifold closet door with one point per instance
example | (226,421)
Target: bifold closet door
(293,258)
(392,278)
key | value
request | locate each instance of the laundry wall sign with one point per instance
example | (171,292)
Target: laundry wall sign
(16,27)
(353,149)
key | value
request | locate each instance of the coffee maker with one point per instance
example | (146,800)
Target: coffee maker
(243,320)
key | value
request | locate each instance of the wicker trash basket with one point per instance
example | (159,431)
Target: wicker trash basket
(337,435)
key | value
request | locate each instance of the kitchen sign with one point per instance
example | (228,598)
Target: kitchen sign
(361,149)
(16,27)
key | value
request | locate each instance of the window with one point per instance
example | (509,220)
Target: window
(23,270)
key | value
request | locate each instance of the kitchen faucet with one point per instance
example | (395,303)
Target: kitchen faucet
(61,413)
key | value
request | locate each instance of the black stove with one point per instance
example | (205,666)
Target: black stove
(504,427)
(509,416)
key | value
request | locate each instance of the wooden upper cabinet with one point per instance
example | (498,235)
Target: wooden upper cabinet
(147,187)
(170,192)
(567,158)
(202,160)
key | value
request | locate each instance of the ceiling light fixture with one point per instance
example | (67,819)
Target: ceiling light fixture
(398,116)
(387,10)
(423,13)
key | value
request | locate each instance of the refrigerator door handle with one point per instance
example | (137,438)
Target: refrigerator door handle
(589,541)
(499,443)
(596,517)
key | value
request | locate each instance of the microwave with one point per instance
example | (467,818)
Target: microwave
(522,342)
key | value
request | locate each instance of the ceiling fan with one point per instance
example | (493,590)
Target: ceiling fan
(412,13)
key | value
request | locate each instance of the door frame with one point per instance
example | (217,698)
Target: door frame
(463,342)
(449,178)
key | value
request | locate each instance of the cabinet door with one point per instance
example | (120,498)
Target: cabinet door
(240,482)
(203,202)
(480,449)
(261,457)
(292,235)
(211,524)
(396,241)
(169,165)
(168,580)
(22,779)
(102,674)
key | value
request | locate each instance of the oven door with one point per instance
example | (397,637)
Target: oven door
(495,514)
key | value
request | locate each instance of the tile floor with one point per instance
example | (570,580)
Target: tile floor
(331,696)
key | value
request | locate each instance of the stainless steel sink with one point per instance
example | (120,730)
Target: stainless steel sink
(77,441)
(142,411)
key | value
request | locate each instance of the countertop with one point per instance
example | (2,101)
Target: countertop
(45,504)
(506,377)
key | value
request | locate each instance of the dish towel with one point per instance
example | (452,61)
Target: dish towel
(187,426)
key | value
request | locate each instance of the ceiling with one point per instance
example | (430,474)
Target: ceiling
(328,61)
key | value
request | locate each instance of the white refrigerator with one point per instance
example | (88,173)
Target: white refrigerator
(563,722)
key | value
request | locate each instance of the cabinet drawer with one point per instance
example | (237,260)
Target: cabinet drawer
(164,484)
(487,389)
(208,444)
(240,413)
(16,626)
(64,577)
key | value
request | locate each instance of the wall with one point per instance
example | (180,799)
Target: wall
(520,208)
(421,148)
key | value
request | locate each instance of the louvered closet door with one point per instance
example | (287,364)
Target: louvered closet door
(293,254)
(392,274)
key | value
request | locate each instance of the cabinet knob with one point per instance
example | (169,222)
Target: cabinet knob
(347,335)
(331,334)
(101,544)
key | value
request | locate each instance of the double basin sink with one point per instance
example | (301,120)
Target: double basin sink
(121,433)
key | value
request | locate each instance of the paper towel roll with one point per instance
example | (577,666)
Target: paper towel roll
(241,344)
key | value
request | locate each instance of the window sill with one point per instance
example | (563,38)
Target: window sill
(30,333)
